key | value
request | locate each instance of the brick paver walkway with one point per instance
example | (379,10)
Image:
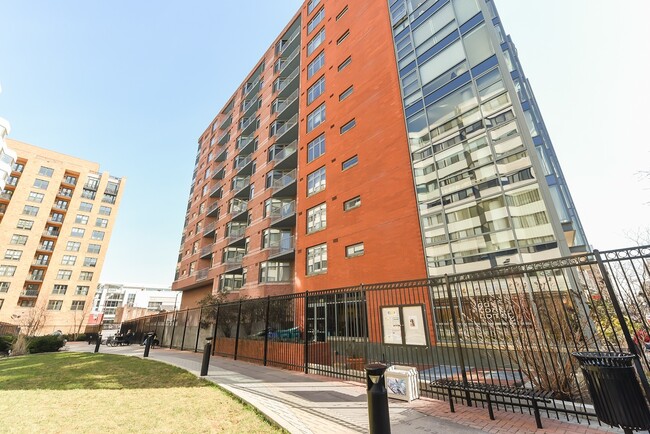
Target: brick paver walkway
(314,404)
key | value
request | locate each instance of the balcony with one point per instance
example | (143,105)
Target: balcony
(248,125)
(252,87)
(291,61)
(64,193)
(233,263)
(45,248)
(236,237)
(243,165)
(210,230)
(285,216)
(221,156)
(6,195)
(206,252)
(37,277)
(291,41)
(238,209)
(288,131)
(287,157)
(216,191)
(56,221)
(286,85)
(29,293)
(51,234)
(241,187)
(226,123)
(40,262)
(250,107)
(223,138)
(219,172)
(289,103)
(213,211)
(285,249)
(60,206)
(202,274)
(285,186)
(69,181)
(92,185)
(246,145)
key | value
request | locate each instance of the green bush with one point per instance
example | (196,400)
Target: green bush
(81,337)
(6,342)
(45,344)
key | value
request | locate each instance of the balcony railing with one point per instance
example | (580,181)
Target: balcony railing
(29,293)
(286,210)
(221,136)
(286,80)
(287,125)
(226,123)
(250,87)
(45,248)
(243,141)
(210,229)
(202,273)
(6,195)
(233,262)
(286,246)
(240,184)
(286,179)
(213,210)
(64,193)
(246,122)
(60,207)
(238,206)
(286,151)
(51,233)
(40,262)
(289,58)
(280,107)
(36,277)
(289,41)
(241,162)
(206,251)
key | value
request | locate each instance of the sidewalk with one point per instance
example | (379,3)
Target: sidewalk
(314,404)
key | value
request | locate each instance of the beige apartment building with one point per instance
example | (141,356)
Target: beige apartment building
(57,213)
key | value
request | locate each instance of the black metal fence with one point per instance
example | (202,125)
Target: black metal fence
(513,326)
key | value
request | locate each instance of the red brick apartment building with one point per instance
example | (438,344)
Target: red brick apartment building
(375,141)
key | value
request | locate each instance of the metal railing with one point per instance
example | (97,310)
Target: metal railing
(286,179)
(286,210)
(513,326)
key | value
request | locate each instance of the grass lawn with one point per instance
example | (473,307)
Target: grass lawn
(90,393)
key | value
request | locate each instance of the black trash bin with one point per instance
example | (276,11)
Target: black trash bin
(615,390)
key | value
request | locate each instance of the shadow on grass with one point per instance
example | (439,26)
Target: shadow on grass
(69,371)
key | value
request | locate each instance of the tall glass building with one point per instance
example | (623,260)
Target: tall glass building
(374,141)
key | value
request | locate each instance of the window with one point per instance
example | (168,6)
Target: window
(35,197)
(317,218)
(316,64)
(316,41)
(72,246)
(46,171)
(68,260)
(106,210)
(94,248)
(88,194)
(41,184)
(7,270)
(64,275)
(77,305)
(316,148)
(340,15)
(85,206)
(275,272)
(69,179)
(316,118)
(345,63)
(60,289)
(81,219)
(317,259)
(97,235)
(25,224)
(18,239)
(346,93)
(82,290)
(54,304)
(316,181)
(4,286)
(130,300)
(30,210)
(354,250)
(154,305)
(102,223)
(86,275)
(312,5)
(347,127)
(90,262)
(353,203)
(343,37)
(77,232)
(13,255)
(350,162)
(316,90)
(311,25)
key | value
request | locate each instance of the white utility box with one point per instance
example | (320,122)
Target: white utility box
(402,382)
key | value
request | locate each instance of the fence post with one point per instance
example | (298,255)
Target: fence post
(237,334)
(171,341)
(624,328)
(306,337)
(198,331)
(162,335)
(214,332)
(187,311)
(266,328)
(458,343)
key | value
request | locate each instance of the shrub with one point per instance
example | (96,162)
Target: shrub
(6,342)
(45,344)
(81,337)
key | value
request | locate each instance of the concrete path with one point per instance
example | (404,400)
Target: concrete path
(314,404)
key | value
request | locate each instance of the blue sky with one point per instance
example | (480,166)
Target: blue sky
(132,85)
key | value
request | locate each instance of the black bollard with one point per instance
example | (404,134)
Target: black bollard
(147,344)
(207,349)
(379,420)
(98,343)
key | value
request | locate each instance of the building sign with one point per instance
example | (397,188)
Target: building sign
(403,325)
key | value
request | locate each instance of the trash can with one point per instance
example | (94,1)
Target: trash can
(615,390)
(402,382)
